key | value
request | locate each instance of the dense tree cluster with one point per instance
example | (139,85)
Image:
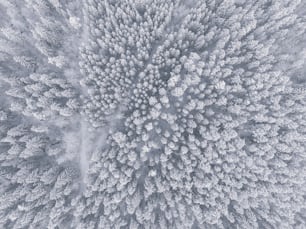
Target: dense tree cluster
(36,190)
(38,181)
(193,119)
(34,62)
(121,39)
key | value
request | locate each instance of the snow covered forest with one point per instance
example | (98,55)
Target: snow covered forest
(152,114)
